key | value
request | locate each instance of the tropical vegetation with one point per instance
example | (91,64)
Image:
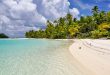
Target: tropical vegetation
(95,26)
(3,35)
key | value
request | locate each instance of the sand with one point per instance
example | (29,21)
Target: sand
(93,55)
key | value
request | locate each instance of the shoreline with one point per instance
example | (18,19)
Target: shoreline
(84,56)
(94,59)
(53,57)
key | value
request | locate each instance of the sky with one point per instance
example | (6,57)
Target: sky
(19,16)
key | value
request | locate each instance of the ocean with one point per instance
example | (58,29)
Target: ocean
(36,57)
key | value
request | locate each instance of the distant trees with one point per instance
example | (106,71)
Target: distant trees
(3,35)
(108,16)
(95,26)
(102,31)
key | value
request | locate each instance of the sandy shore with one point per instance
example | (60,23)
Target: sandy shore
(93,55)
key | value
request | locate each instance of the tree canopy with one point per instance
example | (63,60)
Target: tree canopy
(95,26)
(3,35)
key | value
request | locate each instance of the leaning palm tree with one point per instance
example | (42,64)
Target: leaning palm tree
(95,10)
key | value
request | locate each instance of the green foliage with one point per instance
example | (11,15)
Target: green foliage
(99,33)
(3,35)
(73,30)
(102,31)
(95,26)
(108,16)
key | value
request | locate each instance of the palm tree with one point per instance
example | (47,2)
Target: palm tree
(95,10)
(96,14)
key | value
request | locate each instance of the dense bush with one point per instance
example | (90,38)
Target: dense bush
(3,35)
(95,26)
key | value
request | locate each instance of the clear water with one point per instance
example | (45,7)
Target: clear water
(36,57)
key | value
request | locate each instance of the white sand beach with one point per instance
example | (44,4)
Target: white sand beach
(93,55)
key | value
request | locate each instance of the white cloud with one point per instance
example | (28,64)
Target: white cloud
(19,16)
(52,9)
(75,12)
(21,5)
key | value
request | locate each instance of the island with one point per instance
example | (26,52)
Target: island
(3,35)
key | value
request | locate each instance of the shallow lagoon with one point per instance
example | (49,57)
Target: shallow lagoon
(36,57)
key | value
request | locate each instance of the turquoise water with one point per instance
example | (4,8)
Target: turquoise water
(36,57)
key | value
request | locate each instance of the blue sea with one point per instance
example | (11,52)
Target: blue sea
(36,57)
